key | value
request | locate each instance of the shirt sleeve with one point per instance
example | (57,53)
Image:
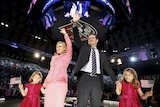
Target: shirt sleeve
(69,46)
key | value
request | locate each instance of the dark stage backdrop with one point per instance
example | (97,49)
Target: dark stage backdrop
(86,26)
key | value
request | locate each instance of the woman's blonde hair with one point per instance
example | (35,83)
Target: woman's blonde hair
(36,73)
(135,81)
(64,45)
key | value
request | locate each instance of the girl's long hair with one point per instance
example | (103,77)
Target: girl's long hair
(36,73)
(135,81)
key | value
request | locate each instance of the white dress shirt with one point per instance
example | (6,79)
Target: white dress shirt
(88,66)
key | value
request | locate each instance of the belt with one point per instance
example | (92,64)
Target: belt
(91,75)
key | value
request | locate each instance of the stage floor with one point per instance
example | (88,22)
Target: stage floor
(15,102)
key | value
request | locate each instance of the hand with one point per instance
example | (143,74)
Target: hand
(44,84)
(118,84)
(149,93)
(63,31)
(76,16)
(20,86)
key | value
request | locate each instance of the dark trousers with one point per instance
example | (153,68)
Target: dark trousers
(89,88)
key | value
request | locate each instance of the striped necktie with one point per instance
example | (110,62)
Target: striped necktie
(94,68)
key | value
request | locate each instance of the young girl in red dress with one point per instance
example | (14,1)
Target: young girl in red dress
(32,90)
(129,88)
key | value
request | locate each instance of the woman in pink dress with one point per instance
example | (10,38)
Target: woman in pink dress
(56,82)
(130,90)
(32,91)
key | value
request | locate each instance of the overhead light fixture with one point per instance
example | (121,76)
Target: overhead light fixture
(119,61)
(42,58)
(133,59)
(14,45)
(37,55)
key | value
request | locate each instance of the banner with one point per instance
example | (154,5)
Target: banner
(147,83)
(15,80)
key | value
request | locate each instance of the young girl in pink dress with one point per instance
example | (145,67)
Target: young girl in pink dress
(130,89)
(56,81)
(32,91)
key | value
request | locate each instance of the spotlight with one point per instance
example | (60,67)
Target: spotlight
(37,55)
(119,61)
(113,60)
(133,59)
(42,58)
